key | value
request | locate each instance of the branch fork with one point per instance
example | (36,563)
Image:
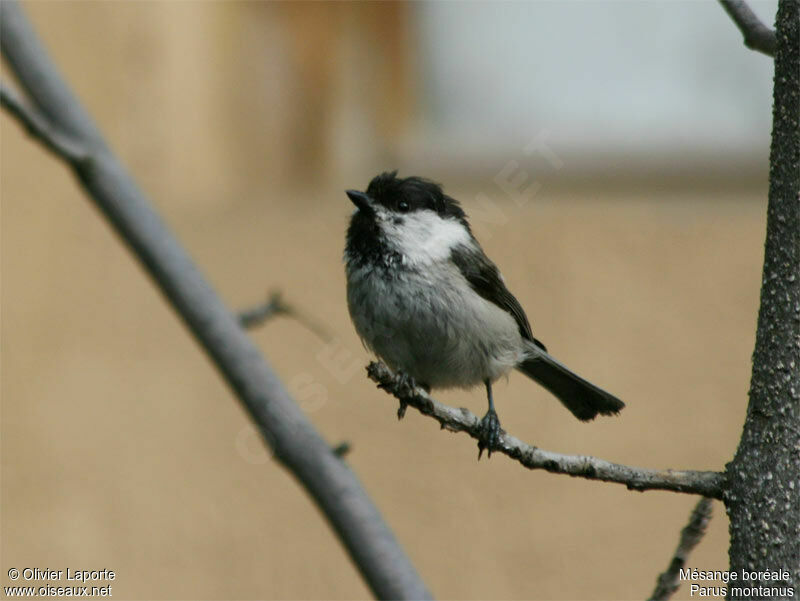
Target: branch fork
(757,36)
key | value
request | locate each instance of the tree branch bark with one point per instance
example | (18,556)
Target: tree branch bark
(763,499)
(708,484)
(293,440)
(757,36)
(668,582)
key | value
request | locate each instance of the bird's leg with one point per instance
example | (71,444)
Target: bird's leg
(489,427)
(407,384)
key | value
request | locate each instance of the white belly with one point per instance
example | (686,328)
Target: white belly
(437,330)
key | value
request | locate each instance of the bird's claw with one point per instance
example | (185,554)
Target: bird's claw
(489,432)
(406,385)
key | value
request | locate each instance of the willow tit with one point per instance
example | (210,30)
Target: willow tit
(425,298)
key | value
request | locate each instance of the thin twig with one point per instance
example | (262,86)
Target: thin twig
(342,449)
(274,306)
(255,316)
(691,534)
(757,36)
(708,484)
(39,127)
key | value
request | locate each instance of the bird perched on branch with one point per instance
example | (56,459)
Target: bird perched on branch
(426,299)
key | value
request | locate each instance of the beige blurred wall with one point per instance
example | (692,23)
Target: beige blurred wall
(240,94)
(122,449)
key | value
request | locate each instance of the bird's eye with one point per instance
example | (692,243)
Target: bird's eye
(403,207)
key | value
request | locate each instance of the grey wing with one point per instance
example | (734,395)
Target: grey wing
(485,279)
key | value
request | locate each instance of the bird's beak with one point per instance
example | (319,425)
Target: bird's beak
(361,200)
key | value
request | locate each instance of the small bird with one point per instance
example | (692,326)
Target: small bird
(426,299)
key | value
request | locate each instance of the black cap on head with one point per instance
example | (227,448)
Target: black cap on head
(407,194)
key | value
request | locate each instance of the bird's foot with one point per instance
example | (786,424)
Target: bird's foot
(404,386)
(489,433)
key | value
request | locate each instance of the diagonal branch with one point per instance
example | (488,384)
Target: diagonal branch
(293,439)
(757,36)
(691,535)
(708,484)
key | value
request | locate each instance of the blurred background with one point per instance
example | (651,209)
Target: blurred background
(613,157)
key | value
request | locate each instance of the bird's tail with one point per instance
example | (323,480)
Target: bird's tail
(582,398)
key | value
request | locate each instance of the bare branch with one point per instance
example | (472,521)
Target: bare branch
(708,484)
(294,441)
(275,305)
(757,36)
(691,534)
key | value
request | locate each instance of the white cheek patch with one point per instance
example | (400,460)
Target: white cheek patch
(423,237)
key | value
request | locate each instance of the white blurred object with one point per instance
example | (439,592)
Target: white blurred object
(645,80)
